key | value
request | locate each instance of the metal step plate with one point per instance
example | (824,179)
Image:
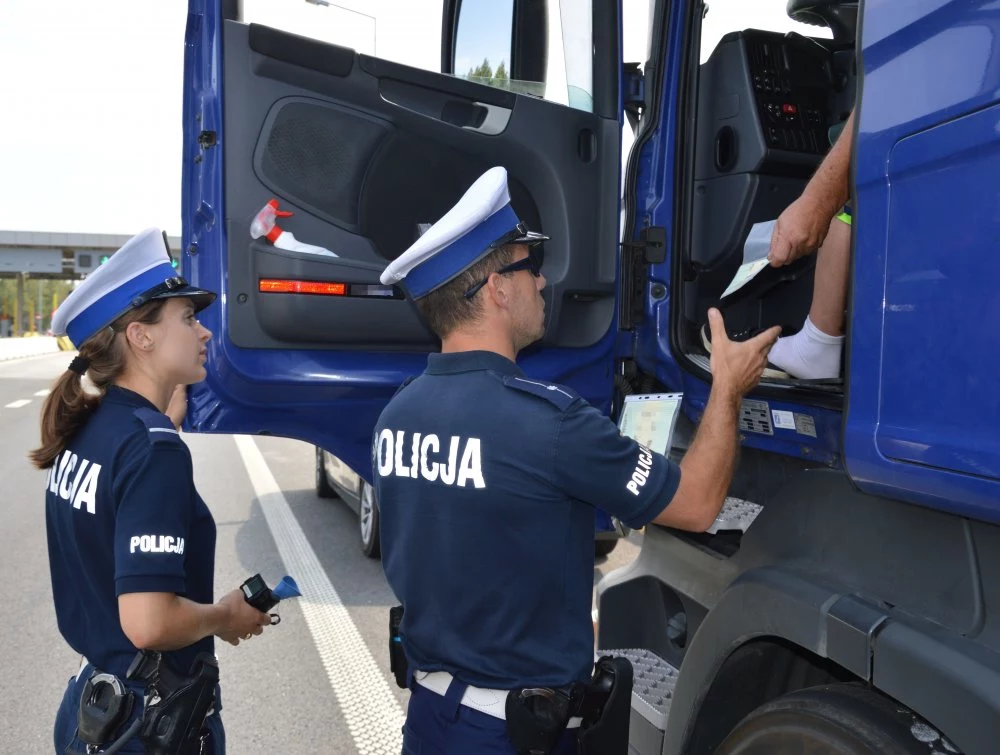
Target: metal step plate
(701,360)
(653,687)
(736,514)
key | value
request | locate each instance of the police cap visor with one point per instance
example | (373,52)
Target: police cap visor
(176,288)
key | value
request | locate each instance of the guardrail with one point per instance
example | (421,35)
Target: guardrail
(16,348)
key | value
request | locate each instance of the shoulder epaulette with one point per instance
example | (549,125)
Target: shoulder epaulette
(559,395)
(159,426)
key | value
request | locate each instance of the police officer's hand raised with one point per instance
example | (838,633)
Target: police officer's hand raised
(240,620)
(738,365)
(707,468)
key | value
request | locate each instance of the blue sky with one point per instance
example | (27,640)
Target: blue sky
(477,37)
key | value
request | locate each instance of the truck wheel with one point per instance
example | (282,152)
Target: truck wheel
(603,547)
(368,521)
(323,487)
(835,719)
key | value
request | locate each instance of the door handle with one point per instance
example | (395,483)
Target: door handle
(463,113)
(476,116)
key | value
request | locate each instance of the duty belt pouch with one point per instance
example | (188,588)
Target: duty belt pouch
(605,730)
(398,664)
(105,705)
(536,718)
(176,706)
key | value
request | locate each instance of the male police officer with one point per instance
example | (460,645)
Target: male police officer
(487,482)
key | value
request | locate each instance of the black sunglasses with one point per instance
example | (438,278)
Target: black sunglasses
(532,262)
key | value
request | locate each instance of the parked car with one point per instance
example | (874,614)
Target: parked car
(335,479)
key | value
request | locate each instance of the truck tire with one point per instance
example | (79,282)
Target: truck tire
(834,719)
(323,487)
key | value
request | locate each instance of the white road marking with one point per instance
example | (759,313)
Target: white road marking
(18,404)
(43,393)
(371,711)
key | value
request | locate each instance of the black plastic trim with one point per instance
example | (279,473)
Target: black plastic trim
(529,41)
(684,176)
(948,680)
(851,625)
(301,51)
(231,10)
(384,69)
(607,58)
(449,28)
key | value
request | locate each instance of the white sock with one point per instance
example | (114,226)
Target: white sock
(810,354)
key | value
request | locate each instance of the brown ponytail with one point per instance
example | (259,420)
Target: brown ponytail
(69,406)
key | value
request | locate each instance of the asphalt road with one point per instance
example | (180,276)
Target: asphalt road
(317,683)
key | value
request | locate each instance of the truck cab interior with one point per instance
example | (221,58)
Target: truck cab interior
(767,106)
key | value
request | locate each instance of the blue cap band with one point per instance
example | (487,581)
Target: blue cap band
(115,303)
(449,262)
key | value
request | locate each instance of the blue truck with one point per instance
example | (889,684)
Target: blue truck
(847,606)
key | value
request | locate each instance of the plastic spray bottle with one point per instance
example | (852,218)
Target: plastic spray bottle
(265,224)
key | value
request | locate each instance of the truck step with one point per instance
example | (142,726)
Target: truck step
(736,514)
(652,688)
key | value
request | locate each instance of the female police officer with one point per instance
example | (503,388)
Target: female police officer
(131,543)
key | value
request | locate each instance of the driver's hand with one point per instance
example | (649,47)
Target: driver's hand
(800,230)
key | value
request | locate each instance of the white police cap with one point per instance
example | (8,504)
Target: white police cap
(137,273)
(480,222)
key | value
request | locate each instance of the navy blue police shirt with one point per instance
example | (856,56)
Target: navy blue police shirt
(123,516)
(486,483)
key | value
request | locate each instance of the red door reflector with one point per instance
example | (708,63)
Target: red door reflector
(323,288)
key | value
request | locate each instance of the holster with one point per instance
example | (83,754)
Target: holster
(537,716)
(606,717)
(398,664)
(176,706)
(105,705)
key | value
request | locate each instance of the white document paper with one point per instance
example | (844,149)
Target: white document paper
(755,250)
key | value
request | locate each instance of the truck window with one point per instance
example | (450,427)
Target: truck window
(407,33)
(546,53)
